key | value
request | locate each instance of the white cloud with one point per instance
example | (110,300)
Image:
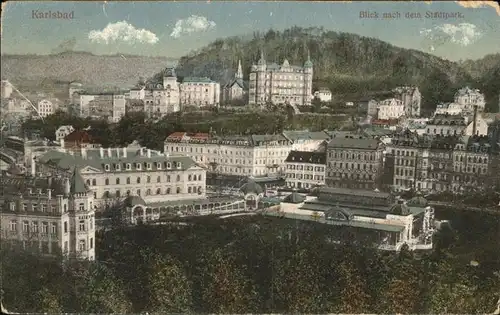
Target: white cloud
(462,34)
(122,31)
(192,24)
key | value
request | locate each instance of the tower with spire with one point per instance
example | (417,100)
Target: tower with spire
(308,75)
(235,91)
(239,73)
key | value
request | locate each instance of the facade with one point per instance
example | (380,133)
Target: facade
(6,89)
(444,125)
(411,98)
(372,108)
(199,92)
(305,170)
(78,139)
(449,109)
(324,95)
(280,84)
(391,109)
(255,155)
(46,108)
(374,219)
(63,131)
(74,87)
(468,98)
(303,140)
(235,90)
(354,162)
(115,173)
(51,215)
(110,106)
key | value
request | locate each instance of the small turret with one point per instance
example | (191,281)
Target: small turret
(308,63)
(239,73)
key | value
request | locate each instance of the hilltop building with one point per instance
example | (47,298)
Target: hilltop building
(411,98)
(280,84)
(200,92)
(469,98)
(63,131)
(323,94)
(390,109)
(50,215)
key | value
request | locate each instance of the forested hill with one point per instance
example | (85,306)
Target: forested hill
(346,63)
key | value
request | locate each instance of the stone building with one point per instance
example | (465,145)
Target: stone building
(235,90)
(469,98)
(411,98)
(200,92)
(305,170)
(390,109)
(354,162)
(115,173)
(280,84)
(51,215)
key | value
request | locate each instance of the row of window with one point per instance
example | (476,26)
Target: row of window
(469,169)
(350,175)
(352,166)
(352,156)
(147,166)
(472,159)
(168,191)
(404,162)
(35,207)
(34,227)
(305,176)
(306,168)
(190,178)
(406,172)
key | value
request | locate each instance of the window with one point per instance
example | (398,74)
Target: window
(128,166)
(81,245)
(53,228)
(118,181)
(117,193)
(138,192)
(138,166)
(81,207)
(12,206)
(81,226)
(158,179)
(65,208)
(34,207)
(128,180)
(106,181)
(106,167)
(94,182)
(168,178)
(168,191)
(91,223)
(178,190)
(45,228)
(66,246)
(88,182)
(158,191)
(148,179)
(178,178)
(91,242)
(44,208)
(148,192)
(138,180)
(189,178)
(13,225)
(65,227)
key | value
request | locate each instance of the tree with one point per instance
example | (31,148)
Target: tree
(169,286)
(353,294)
(49,302)
(225,288)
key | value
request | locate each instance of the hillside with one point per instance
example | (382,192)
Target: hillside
(477,68)
(109,70)
(346,63)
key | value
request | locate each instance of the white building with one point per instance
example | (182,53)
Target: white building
(255,155)
(280,84)
(305,170)
(449,108)
(469,98)
(6,89)
(114,173)
(372,108)
(391,109)
(49,215)
(324,95)
(303,140)
(447,125)
(199,92)
(46,108)
(63,131)
(75,88)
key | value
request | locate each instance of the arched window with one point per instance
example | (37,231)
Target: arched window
(148,179)
(118,181)
(65,227)
(158,191)
(168,191)
(106,181)
(189,190)
(199,177)
(118,193)
(128,180)
(138,180)
(158,179)
(65,208)
(168,178)
(88,182)
(138,192)
(106,194)
(199,190)
(94,182)
(189,178)
(128,192)
(148,192)
(178,178)
(178,190)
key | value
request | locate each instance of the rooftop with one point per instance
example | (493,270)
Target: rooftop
(353,142)
(306,157)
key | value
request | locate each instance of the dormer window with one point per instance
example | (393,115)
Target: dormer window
(149,166)
(117,167)
(129,166)
(138,166)
(158,165)
(179,165)
(106,167)
(169,165)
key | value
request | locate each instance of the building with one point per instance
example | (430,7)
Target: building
(354,162)
(6,89)
(106,105)
(390,109)
(494,135)
(323,94)
(305,169)
(45,108)
(255,155)
(63,131)
(468,98)
(74,90)
(303,140)
(79,139)
(235,90)
(199,92)
(444,125)
(449,109)
(366,218)
(51,215)
(280,84)
(372,108)
(115,173)
(411,98)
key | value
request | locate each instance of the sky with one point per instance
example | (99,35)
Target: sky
(173,29)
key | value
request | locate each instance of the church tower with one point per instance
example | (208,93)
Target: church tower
(308,75)
(239,73)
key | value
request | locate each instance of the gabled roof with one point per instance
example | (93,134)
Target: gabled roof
(79,135)
(238,82)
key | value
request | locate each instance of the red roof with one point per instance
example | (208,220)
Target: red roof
(79,135)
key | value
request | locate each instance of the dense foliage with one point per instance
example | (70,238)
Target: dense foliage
(345,63)
(256,265)
(151,134)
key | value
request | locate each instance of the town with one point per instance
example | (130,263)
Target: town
(239,182)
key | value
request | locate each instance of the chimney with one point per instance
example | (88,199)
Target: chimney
(474,123)
(101,150)
(67,186)
(149,153)
(109,152)
(124,152)
(33,166)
